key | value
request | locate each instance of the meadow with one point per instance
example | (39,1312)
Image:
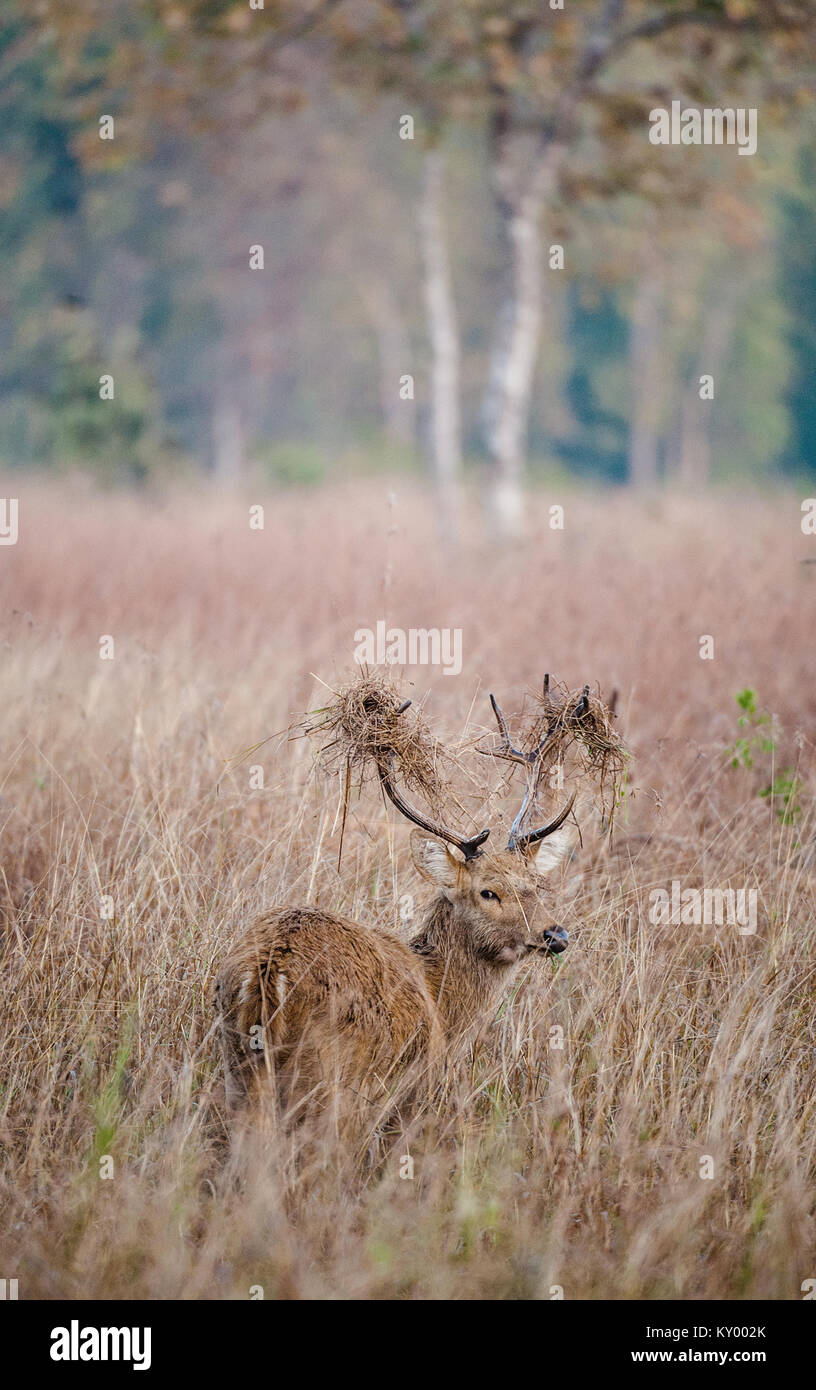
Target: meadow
(637,1121)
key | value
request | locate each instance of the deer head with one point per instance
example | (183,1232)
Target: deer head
(500,897)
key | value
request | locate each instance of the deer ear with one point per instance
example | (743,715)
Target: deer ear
(549,853)
(433,860)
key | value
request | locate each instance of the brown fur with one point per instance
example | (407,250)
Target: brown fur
(334,1001)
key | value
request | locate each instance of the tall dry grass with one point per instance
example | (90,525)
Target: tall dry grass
(542,1166)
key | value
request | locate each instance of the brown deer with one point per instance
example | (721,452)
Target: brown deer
(306,994)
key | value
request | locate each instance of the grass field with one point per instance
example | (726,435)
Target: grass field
(125,789)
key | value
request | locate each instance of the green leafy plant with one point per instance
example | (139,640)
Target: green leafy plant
(757,743)
(787,787)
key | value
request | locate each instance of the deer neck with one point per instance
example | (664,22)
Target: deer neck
(464,986)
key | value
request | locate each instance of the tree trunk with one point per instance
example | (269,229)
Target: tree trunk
(506,406)
(394,362)
(446,437)
(522,184)
(694,450)
(646,363)
(229,459)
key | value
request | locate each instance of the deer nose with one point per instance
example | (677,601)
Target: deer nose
(555,940)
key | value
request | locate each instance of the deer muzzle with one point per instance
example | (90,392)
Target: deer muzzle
(551,942)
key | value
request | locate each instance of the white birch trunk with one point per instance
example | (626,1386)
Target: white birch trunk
(506,408)
(446,438)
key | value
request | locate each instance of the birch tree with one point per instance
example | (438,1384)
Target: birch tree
(446,429)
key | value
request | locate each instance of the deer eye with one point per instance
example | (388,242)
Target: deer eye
(486,893)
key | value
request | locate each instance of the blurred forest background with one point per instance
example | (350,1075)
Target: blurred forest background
(284,128)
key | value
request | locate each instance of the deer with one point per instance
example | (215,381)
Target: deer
(305,993)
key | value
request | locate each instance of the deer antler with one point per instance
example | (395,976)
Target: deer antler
(471,848)
(532,764)
(522,842)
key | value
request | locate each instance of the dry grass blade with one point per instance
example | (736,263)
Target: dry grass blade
(540,1165)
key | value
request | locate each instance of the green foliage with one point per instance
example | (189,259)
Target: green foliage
(291,463)
(108,1105)
(129,256)
(797,275)
(757,745)
(755,421)
(786,787)
(748,745)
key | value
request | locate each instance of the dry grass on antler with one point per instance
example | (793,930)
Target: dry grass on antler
(369,720)
(579,720)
